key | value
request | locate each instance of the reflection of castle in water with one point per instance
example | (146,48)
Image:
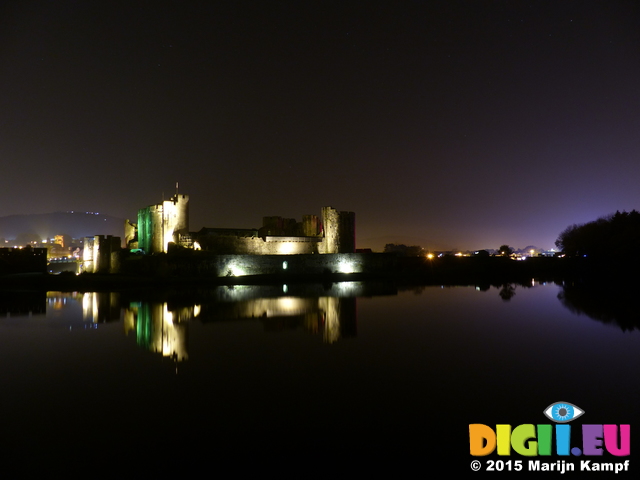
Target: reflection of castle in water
(332,317)
(100,307)
(327,310)
(163,329)
(161,324)
(159,329)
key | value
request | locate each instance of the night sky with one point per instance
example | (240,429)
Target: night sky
(448,124)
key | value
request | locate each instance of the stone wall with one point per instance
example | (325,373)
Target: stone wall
(339,231)
(161,224)
(203,264)
(130,234)
(209,265)
(334,234)
(269,245)
(101,254)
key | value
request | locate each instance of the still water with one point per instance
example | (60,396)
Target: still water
(348,367)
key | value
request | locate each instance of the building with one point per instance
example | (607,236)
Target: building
(163,223)
(334,232)
(101,254)
(160,226)
(23,260)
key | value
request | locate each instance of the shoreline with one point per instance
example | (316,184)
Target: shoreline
(408,272)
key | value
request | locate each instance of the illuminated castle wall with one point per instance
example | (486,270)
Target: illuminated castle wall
(168,222)
(161,224)
(339,231)
(101,254)
(333,233)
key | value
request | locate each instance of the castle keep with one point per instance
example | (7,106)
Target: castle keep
(161,224)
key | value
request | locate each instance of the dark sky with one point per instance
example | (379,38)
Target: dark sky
(449,124)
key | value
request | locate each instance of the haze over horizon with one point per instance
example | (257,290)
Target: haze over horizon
(457,124)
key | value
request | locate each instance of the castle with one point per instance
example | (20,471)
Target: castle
(162,226)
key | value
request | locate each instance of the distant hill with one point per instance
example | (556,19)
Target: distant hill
(48,225)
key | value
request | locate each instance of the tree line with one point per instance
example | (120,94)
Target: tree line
(613,235)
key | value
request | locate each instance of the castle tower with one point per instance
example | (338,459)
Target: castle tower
(101,254)
(339,231)
(310,226)
(160,224)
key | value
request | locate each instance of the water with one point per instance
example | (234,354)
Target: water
(318,369)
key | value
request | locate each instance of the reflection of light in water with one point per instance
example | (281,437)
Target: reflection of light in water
(163,330)
(331,307)
(98,307)
(129,318)
(159,329)
(274,307)
(167,314)
(289,304)
(173,341)
(90,307)
(86,305)
(348,287)
(321,314)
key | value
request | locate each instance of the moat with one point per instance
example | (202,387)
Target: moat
(358,368)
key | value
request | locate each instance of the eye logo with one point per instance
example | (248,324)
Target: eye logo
(562,412)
